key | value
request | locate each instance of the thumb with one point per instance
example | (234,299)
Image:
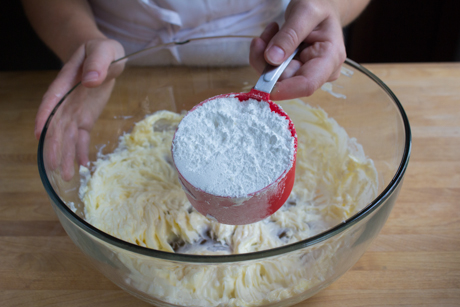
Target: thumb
(99,56)
(301,19)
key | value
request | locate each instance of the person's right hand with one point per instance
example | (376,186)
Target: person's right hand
(316,24)
(68,134)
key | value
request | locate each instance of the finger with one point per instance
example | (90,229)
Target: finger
(256,54)
(335,75)
(52,148)
(330,35)
(83,147)
(303,85)
(69,143)
(300,22)
(310,76)
(291,70)
(93,103)
(329,44)
(258,45)
(65,80)
(323,59)
(52,151)
(270,31)
(99,55)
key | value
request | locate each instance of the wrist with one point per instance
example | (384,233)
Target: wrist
(349,10)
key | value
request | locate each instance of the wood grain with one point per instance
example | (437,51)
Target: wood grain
(415,261)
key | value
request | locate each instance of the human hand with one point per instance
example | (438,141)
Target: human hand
(68,133)
(316,23)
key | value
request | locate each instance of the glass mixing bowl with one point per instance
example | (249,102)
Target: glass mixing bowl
(175,77)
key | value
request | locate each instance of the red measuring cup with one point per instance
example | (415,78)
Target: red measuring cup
(258,205)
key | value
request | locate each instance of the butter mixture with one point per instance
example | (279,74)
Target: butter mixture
(134,194)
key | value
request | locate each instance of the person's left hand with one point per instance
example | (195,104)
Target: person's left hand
(68,134)
(316,23)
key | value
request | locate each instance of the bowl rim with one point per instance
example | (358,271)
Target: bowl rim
(209,259)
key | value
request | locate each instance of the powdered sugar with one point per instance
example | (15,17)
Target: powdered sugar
(230,148)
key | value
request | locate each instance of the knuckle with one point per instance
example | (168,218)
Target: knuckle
(312,7)
(72,133)
(334,76)
(308,91)
(308,7)
(342,54)
(290,37)
(67,68)
(327,47)
(92,65)
(309,86)
(49,101)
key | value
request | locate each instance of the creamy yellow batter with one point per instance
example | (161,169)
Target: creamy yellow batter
(134,194)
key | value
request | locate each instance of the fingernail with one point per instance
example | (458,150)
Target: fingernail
(275,55)
(91,76)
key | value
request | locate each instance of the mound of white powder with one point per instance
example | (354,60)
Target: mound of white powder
(228,147)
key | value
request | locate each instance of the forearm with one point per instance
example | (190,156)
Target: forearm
(350,9)
(62,25)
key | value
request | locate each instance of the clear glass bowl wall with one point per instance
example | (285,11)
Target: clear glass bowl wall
(175,77)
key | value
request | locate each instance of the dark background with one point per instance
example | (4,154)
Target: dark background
(388,31)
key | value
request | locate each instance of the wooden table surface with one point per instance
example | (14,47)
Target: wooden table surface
(415,261)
